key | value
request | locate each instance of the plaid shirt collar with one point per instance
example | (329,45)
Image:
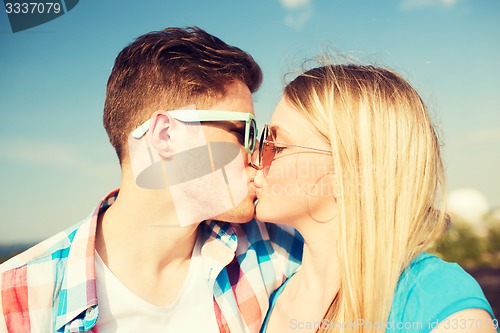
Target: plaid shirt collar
(219,245)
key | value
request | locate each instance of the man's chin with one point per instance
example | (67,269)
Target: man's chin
(242,213)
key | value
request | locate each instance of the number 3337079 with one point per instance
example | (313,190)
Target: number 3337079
(33,8)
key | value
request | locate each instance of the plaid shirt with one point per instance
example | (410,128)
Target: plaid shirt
(52,286)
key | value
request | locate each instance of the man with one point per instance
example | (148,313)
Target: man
(145,260)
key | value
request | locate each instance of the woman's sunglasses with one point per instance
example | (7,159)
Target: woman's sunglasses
(269,147)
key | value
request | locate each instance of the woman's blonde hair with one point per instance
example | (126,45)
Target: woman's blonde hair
(387,159)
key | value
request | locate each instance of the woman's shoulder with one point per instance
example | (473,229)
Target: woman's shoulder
(431,289)
(430,273)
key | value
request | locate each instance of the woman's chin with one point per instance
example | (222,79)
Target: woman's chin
(263,214)
(259,213)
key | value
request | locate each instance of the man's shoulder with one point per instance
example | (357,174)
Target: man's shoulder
(46,250)
(35,286)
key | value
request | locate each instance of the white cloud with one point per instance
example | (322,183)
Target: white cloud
(298,20)
(53,154)
(298,13)
(415,4)
(293,4)
(469,204)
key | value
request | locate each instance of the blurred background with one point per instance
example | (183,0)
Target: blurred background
(56,162)
(473,240)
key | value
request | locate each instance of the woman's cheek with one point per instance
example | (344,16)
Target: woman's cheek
(279,198)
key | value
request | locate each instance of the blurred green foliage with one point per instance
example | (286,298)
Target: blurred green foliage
(472,245)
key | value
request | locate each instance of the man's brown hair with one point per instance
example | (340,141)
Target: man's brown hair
(168,69)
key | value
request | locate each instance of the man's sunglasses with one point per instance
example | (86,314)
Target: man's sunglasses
(269,147)
(194,116)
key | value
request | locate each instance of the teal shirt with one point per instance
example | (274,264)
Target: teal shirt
(429,290)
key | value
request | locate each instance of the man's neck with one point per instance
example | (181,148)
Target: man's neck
(137,241)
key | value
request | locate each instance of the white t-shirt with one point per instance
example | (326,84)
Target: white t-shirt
(120,310)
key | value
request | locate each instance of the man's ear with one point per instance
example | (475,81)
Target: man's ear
(161,132)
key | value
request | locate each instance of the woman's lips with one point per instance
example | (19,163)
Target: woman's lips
(258,189)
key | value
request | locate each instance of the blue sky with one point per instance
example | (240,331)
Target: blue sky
(55,159)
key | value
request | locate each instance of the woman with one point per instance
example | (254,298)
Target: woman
(351,160)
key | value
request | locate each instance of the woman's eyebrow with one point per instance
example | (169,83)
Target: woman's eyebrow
(281,131)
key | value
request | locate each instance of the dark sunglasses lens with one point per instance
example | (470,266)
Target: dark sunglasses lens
(251,136)
(261,144)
